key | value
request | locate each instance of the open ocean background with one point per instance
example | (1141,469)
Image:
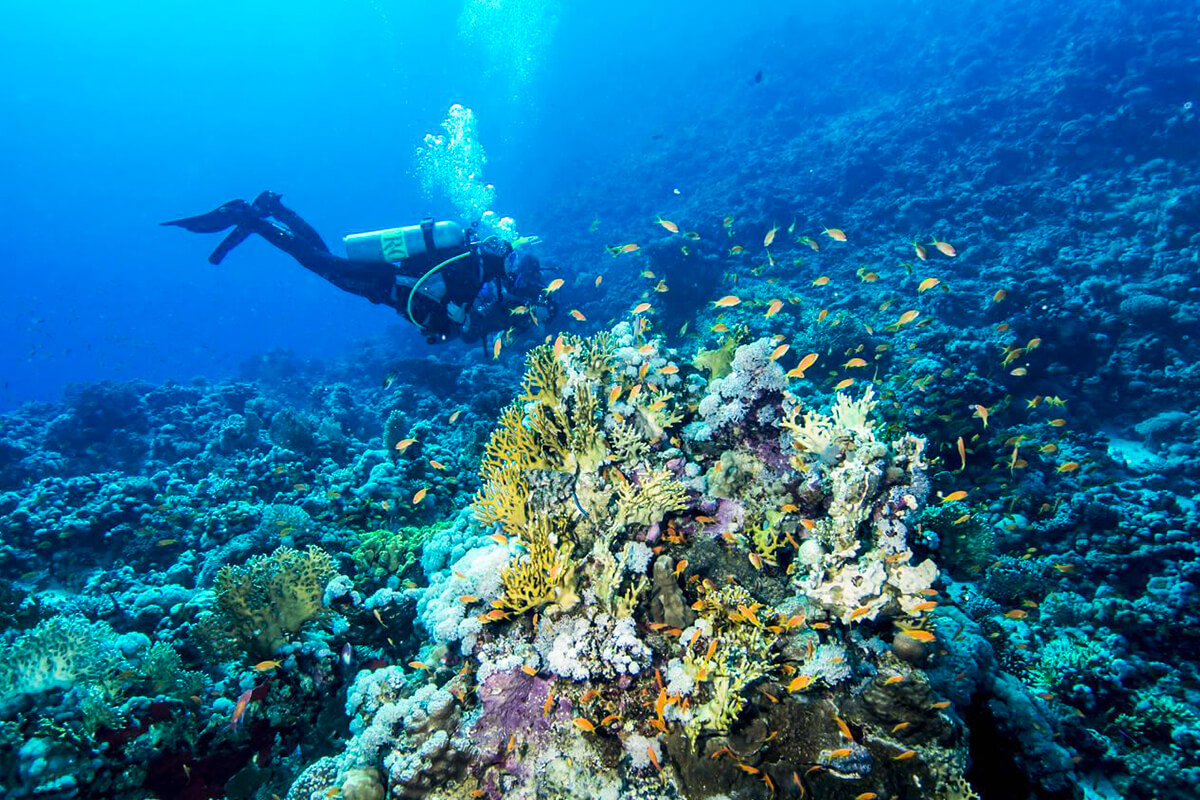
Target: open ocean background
(119,116)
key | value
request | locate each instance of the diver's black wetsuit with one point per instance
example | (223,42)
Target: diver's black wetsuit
(455,309)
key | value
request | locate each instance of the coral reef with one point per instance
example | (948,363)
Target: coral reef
(875,478)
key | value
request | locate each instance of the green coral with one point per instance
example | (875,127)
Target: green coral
(719,361)
(383,554)
(1154,715)
(162,670)
(266,602)
(741,652)
(1065,661)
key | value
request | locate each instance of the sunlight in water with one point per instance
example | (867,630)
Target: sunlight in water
(513,35)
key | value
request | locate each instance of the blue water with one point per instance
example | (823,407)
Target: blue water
(121,116)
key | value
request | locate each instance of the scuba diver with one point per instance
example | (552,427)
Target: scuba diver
(446,281)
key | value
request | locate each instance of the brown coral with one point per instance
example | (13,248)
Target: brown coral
(268,600)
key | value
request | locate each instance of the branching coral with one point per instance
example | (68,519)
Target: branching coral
(767,541)
(162,669)
(628,446)
(513,442)
(827,437)
(658,495)
(595,355)
(532,580)
(511,450)
(267,601)
(735,638)
(545,376)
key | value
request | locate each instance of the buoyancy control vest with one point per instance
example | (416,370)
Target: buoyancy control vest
(438,272)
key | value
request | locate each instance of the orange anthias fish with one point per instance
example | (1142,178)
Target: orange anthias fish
(496,349)
(922,253)
(927,284)
(774,308)
(821,281)
(844,729)
(239,710)
(770,237)
(962,454)
(554,285)
(837,234)
(419,496)
(666,223)
(728,301)
(578,315)
(805,363)
(844,384)
(799,683)
(778,352)
(404,444)
(982,413)
(945,248)
(641,308)
(954,496)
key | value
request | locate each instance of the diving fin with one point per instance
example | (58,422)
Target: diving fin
(232,213)
(235,237)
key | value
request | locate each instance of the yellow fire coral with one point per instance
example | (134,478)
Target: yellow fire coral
(545,376)
(659,495)
(534,579)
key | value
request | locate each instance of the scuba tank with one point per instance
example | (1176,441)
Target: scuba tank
(395,245)
(420,255)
